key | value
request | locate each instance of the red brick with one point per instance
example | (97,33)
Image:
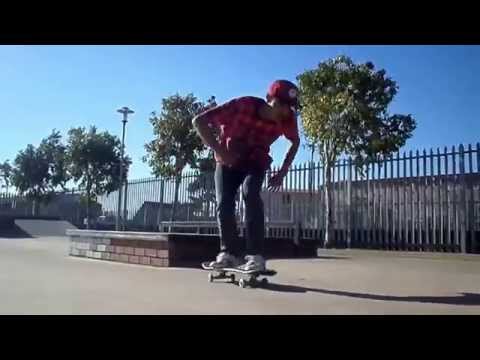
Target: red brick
(123,258)
(145,260)
(110,248)
(134,259)
(151,252)
(162,253)
(128,250)
(165,262)
(139,251)
(159,245)
(125,242)
(119,249)
(156,262)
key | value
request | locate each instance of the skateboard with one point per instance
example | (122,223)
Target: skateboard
(229,273)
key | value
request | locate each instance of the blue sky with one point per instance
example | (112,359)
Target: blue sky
(46,87)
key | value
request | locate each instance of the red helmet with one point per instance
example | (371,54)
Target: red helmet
(285,91)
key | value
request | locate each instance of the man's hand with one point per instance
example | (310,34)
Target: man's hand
(276,181)
(201,125)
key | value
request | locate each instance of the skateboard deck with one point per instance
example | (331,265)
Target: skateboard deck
(229,273)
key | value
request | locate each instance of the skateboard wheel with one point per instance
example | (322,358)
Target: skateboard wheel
(242,283)
(210,277)
(264,281)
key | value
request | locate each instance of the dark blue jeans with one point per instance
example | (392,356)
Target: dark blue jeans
(227,183)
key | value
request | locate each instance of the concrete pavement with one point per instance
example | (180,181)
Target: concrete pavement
(37,277)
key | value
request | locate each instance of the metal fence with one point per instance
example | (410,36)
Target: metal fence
(412,201)
(65,206)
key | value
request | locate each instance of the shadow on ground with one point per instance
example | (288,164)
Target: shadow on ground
(197,264)
(14,233)
(462,299)
(319,257)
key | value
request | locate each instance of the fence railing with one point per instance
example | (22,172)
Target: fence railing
(412,201)
(65,206)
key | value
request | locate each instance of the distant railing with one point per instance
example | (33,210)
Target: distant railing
(412,201)
(65,206)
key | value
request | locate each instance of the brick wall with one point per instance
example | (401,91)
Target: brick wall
(105,246)
(167,249)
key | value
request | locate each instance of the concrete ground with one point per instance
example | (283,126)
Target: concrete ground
(37,277)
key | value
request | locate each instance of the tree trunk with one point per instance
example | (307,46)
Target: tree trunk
(328,204)
(178,180)
(89,191)
(88,209)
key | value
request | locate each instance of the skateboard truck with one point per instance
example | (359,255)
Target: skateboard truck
(229,273)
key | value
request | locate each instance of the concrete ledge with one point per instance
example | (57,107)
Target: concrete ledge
(166,249)
(152,249)
(119,235)
(8,221)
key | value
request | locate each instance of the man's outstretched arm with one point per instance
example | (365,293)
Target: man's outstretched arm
(290,155)
(293,136)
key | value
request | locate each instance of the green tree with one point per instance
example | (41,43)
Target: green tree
(54,152)
(94,163)
(6,171)
(40,172)
(344,109)
(176,144)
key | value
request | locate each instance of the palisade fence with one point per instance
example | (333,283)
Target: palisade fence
(415,201)
(64,205)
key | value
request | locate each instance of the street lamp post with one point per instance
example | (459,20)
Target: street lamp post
(125,111)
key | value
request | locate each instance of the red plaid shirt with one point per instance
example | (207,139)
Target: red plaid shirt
(243,130)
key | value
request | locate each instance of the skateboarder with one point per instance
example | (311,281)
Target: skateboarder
(247,126)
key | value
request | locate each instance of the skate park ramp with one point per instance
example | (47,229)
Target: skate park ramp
(38,228)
